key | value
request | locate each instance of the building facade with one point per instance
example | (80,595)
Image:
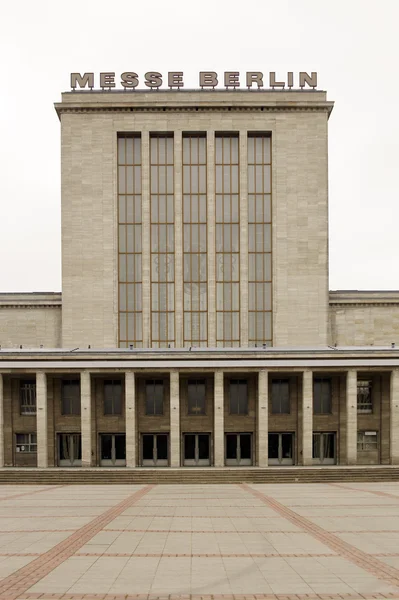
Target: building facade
(196,327)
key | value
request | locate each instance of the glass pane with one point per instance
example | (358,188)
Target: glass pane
(231,445)
(120,447)
(316,445)
(245,443)
(203,447)
(328,445)
(286,442)
(162,447)
(106,447)
(189,446)
(77,446)
(65,447)
(273,445)
(148,447)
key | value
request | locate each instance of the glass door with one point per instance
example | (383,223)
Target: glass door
(324,448)
(155,450)
(113,449)
(281,448)
(196,450)
(69,449)
(238,449)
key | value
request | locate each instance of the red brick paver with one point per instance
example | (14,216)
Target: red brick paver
(15,585)
(46,489)
(375,492)
(361,559)
(343,596)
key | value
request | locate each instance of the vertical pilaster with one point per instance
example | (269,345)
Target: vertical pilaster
(86,410)
(211,216)
(174,420)
(146,249)
(218,429)
(394,418)
(351,417)
(243,158)
(178,177)
(130,418)
(262,419)
(307,418)
(41,420)
(1,422)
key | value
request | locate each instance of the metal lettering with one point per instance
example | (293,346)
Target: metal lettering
(208,79)
(274,83)
(107,80)
(175,79)
(311,80)
(82,80)
(254,77)
(153,80)
(290,79)
(129,80)
(231,79)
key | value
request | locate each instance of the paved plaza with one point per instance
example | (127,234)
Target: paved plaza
(132,541)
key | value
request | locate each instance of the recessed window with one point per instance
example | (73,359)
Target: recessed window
(238,397)
(364,398)
(70,397)
(112,397)
(154,397)
(367,441)
(26,442)
(322,398)
(196,396)
(27,395)
(280,396)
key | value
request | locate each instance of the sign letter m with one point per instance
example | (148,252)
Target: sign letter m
(82,80)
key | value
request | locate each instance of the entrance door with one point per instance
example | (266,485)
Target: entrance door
(281,448)
(324,445)
(196,450)
(69,449)
(155,450)
(238,449)
(113,450)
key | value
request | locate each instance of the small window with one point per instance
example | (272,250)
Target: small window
(367,441)
(196,391)
(238,397)
(26,442)
(27,395)
(112,397)
(322,401)
(364,399)
(154,397)
(280,396)
(70,397)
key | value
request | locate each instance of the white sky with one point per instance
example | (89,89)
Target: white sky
(353,44)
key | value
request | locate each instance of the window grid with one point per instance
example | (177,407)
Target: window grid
(227,241)
(367,441)
(26,442)
(195,325)
(364,397)
(162,242)
(27,395)
(259,241)
(154,397)
(130,241)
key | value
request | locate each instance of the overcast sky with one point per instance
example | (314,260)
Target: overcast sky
(353,44)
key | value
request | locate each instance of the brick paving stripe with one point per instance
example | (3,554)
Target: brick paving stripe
(361,559)
(344,596)
(16,584)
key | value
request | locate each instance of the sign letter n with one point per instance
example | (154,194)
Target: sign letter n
(82,80)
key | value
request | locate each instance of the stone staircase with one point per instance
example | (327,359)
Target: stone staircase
(193,476)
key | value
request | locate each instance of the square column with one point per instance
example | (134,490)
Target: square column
(1,422)
(174,420)
(351,418)
(218,411)
(394,419)
(41,420)
(307,418)
(130,418)
(85,403)
(262,419)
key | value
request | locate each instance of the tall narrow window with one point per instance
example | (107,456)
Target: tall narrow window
(196,392)
(364,396)
(162,242)
(322,396)
(154,397)
(27,395)
(195,241)
(112,397)
(259,241)
(70,397)
(130,249)
(227,242)
(238,397)
(280,396)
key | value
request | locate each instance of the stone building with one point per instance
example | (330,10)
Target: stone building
(196,326)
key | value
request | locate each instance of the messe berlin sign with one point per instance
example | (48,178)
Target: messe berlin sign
(207,80)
